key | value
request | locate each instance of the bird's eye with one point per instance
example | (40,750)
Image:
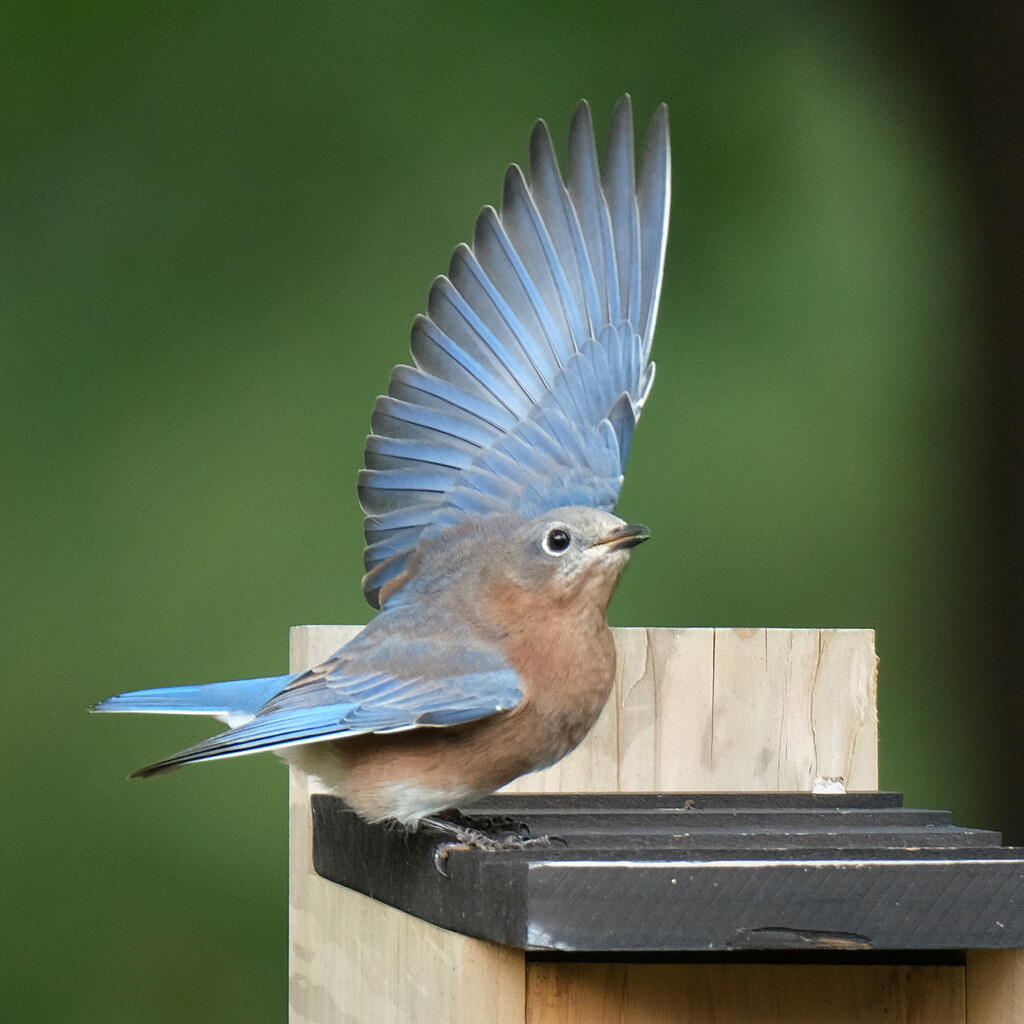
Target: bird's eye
(556,540)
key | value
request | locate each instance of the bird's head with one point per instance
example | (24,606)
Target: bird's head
(572,551)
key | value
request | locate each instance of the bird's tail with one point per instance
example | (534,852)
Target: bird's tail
(232,702)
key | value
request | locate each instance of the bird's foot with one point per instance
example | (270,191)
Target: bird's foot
(465,837)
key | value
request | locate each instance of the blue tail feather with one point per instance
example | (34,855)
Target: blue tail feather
(239,698)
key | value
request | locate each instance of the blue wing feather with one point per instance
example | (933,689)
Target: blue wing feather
(620,192)
(454,315)
(588,200)
(481,295)
(653,198)
(522,303)
(528,235)
(560,219)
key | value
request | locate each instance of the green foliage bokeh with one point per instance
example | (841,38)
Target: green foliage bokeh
(216,224)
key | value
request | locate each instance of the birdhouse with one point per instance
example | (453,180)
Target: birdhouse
(719,852)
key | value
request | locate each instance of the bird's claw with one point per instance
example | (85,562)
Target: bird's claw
(473,839)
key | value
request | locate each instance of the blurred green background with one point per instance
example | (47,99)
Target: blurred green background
(216,225)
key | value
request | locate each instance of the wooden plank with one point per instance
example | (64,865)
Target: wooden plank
(720,710)
(995,986)
(353,959)
(595,993)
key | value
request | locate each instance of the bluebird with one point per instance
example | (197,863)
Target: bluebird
(492,469)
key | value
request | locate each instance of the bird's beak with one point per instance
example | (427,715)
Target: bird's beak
(626,536)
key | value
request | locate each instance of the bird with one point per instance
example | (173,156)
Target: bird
(491,473)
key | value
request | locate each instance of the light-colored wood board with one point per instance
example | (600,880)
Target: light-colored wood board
(356,961)
(995,986)
(729,710)
(594,993)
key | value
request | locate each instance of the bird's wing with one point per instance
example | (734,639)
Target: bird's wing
(385,680)
(532,361)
